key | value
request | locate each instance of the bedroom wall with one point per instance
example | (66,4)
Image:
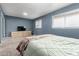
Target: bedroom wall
(47,23)
(13,22)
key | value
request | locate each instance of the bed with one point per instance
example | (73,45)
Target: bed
(52,45)
(41,45)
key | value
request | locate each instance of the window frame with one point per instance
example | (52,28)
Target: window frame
(65,18)
(38,24)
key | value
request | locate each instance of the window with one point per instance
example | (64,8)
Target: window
(58,22)
(72,20)
(38,23)
(67,21)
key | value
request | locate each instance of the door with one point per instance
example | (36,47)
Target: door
(2,25)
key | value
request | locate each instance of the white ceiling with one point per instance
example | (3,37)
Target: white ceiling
(33,10)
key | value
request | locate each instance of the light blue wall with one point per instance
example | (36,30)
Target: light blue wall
(13,22)
(47,23)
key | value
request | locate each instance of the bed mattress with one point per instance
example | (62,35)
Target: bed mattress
(52,45)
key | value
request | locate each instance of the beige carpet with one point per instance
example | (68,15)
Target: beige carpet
(8,47)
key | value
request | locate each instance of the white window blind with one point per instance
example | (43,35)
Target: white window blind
(38,23)
(58,22)
(72,20)
(67,21)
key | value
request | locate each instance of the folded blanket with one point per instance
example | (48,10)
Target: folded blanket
(22,46)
